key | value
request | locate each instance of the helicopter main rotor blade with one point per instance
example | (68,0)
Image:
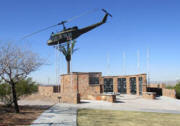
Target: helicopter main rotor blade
(41,30)
(85,13)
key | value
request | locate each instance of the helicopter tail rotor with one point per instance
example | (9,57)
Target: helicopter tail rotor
(106,12)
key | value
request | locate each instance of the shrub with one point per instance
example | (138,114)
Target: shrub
(23,87)
(177,88)
(5,94)
(26,87)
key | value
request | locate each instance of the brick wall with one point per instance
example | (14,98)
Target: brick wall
(169,93)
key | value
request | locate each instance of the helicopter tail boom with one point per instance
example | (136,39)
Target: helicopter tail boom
(105,18)
(86,29)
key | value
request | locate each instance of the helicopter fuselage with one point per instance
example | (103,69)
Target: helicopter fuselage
(63,36)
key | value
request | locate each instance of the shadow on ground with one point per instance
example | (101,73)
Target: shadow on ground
(26,116)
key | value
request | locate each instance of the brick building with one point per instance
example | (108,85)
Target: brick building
(91,85)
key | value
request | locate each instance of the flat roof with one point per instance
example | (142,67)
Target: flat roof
(47,85)
(104,76)
(82,73)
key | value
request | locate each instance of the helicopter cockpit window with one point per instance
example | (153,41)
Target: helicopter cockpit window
(75,27)
(55,38)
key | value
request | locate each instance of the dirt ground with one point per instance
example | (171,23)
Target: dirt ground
(27,114)
(30,108)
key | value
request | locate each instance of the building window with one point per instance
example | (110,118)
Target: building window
(56,89)
(122,85)
(140,85)
(93,80)
(108,84)
(133,85)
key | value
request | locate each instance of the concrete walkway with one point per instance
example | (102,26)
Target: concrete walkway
(131,103)
(57,116)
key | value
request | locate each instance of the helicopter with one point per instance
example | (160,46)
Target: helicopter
(73,33)
(70,33)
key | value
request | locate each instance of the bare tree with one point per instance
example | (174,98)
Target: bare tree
(15,64)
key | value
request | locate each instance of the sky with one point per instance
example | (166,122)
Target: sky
(143,36)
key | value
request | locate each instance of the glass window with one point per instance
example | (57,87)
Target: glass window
(122,85)
(140,85)
(108,84)
(133,85)
(93,80)
(56,89)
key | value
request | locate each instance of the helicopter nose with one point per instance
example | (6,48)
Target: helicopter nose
(49,42)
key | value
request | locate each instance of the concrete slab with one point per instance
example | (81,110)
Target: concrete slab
(57,116)
(132,103)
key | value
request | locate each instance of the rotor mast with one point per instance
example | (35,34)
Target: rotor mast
(63,23)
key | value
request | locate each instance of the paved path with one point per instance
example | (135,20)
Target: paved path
(57,116)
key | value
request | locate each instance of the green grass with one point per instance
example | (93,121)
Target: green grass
(89,117)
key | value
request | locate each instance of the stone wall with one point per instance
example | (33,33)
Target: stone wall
(47,91)
(149,95)
(85,89)
(69,89)
(80,85)
(109,98)
(144,88)
(169,93)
